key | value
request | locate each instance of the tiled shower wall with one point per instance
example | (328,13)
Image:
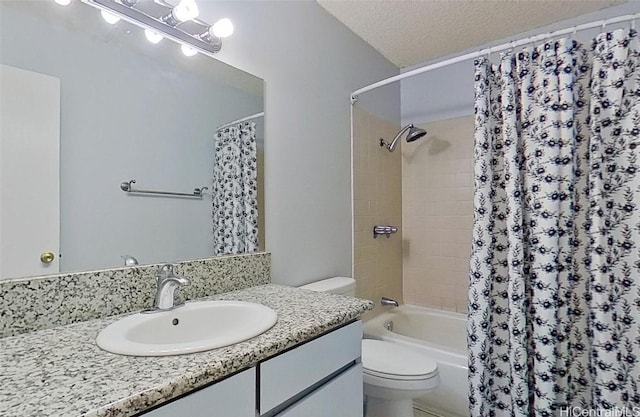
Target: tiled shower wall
(437,214)
(377,183)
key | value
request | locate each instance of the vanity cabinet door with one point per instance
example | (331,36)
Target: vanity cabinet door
(340,397)
(232,397)
(289,374)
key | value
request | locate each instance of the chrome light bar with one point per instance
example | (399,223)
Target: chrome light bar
(194,33)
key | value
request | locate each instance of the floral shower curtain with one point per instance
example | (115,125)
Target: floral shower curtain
(554,300)
(235,207)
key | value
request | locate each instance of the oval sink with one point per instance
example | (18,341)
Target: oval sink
(195,327)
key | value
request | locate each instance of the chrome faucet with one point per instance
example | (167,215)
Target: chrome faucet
(385,301)
(167,283)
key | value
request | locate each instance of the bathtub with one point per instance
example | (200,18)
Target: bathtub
(443,336)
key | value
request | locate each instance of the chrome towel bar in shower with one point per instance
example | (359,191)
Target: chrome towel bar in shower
(128,188)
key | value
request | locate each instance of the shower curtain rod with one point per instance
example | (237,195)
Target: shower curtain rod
(244,119)
(486,51)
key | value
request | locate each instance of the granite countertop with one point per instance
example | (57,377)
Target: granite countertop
(62,372)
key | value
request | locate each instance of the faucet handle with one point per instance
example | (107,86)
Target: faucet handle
(166,271)
(182,281)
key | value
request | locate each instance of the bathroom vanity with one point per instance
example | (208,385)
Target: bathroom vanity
(322,378)
(306,365)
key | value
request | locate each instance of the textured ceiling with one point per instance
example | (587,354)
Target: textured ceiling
(411,32)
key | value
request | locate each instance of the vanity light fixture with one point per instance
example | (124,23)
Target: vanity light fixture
(188,51)
(110,18)
(184,11)
(177,22)
(223,28)
(153,37)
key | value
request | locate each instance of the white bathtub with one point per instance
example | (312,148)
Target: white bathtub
(443,336)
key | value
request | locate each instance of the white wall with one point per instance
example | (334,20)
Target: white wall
(448,92)
(310,63)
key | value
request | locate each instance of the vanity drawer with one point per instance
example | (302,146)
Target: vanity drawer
(341,396)
(286,375)
(234,396)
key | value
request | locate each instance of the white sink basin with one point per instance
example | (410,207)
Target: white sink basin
(195,327)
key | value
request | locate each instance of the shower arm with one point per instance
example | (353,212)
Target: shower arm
(391,146)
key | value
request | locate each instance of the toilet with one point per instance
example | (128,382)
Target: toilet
(393,374)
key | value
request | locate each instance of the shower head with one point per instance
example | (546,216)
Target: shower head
(415,133)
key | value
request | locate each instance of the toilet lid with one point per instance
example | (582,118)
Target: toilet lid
(388,359)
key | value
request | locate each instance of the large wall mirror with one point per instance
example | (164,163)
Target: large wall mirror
(126,109)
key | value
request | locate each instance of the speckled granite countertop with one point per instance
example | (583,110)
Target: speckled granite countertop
(62,372)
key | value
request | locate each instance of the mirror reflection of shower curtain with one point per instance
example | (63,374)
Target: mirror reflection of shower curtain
(234,190)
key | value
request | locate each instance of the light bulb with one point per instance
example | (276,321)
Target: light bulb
(152,36)
(185,10)
(63,2)
(110,18)
(222,28)
(188,51)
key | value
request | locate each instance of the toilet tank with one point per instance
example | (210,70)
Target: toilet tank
(335,285)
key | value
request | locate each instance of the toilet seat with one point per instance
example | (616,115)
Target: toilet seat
(399,377)
(392,361)
(391,370)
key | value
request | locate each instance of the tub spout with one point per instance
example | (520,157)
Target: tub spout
(385,301)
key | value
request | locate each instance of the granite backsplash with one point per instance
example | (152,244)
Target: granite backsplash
(36,303)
